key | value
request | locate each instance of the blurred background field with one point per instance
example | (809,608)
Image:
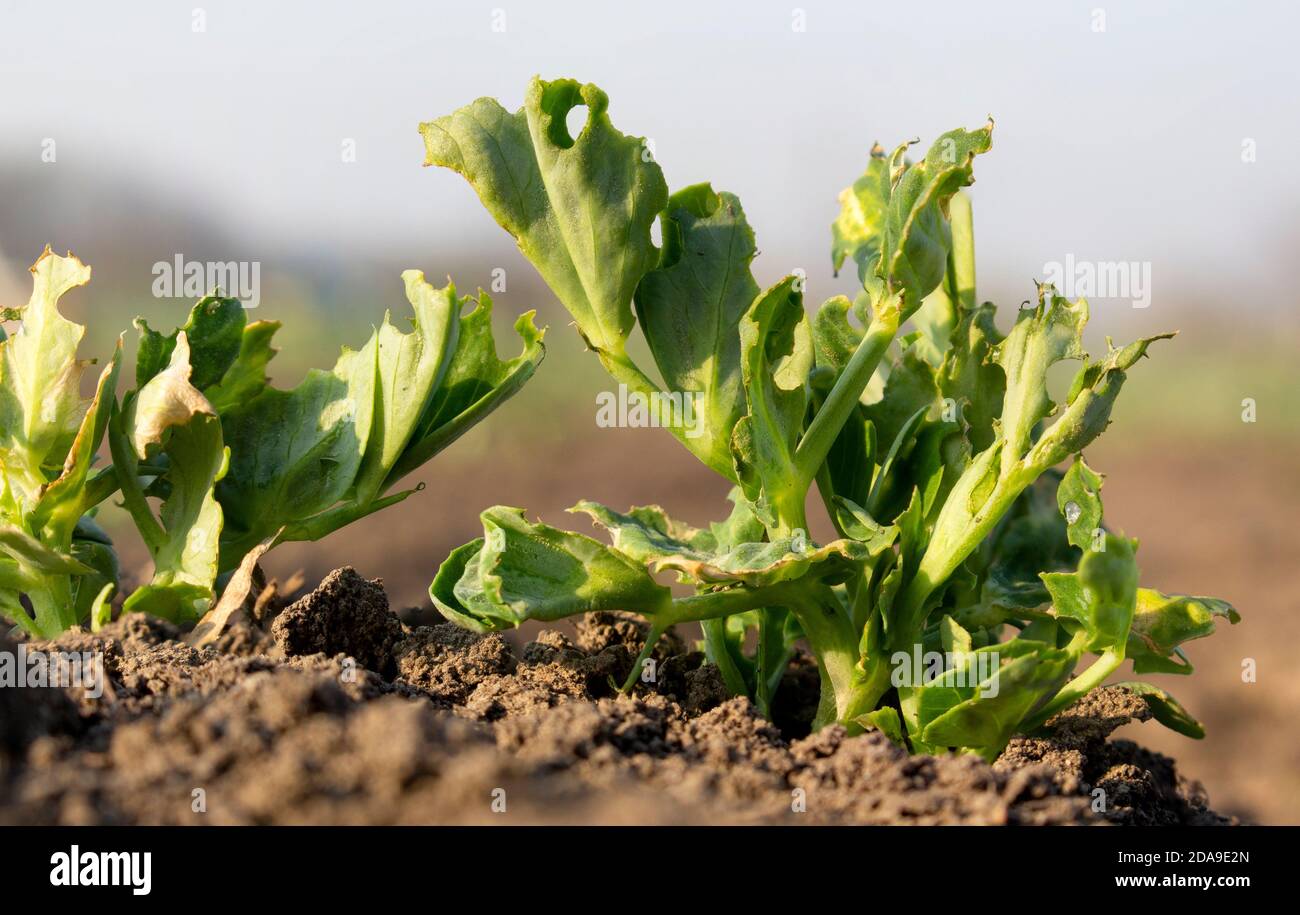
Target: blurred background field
(1119,144)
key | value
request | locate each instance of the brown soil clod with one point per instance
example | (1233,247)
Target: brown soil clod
(345,615)
(1126,784)
(342,714)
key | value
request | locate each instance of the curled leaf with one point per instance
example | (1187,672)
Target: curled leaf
(1162,622)
(579,207)
(521,570)
(1166,709)
(776,357)
(169,416)
(648,535)
(689,306)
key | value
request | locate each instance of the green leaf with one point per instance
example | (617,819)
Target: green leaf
(1162,622)
(170,416)
(935,322)
(858,229)
(215,331)
(834,337)
(40,397)
(915,237)
(648,535)
(847,469)
(411,368)
(971,377)
(886,721)
(246,376)
(1091,398)
(476,383)
(30,553)
(63,503)
(858,525)
(776,357)
(524,571)
(954,639)
(1166,709)
(309,461)
(580,208)
(1101,596)
(89,591)
(689,307)
(1043,336)
(989,714)
(741,525)
(100,610)
(783,559)
(1079,499)
(296,453)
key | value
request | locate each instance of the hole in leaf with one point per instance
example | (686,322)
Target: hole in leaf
(574,122)
(562,102)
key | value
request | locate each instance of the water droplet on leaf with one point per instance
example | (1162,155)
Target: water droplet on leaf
(1072,512)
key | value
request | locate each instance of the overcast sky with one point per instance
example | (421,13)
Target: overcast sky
(1120,126)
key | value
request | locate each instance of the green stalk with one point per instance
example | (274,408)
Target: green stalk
(828,630)
(651,639)
(825,426)
(52,605)
(962,255)
(791,518)
(1080,686)
(835,645)
(957,533)
(715,645)
(717,604)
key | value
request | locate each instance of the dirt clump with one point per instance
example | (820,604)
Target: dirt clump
(1136,786)
(345,615)
(340,713)
(449,662)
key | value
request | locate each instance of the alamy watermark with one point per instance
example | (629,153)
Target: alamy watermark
(626,409)
(75,867)
(35,669)
(179,278)
(971,670)
(1074,279)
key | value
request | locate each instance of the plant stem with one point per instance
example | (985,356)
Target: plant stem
(963,248)
(835,645)
(715,646)
(717,604)
(957,532)
(1080,686)
(865,694)
(825,426)
(651,639)
(52,606)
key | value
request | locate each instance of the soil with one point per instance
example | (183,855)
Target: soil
(334,710)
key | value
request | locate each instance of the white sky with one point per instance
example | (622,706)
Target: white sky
(1117,145)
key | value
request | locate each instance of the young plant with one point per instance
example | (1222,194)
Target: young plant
(302,463)
(931,450)
(233,464)
(56,565)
